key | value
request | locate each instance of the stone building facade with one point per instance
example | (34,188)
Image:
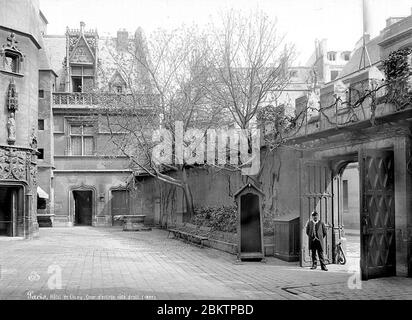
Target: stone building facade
(20,61)
(84,175)
(373,136)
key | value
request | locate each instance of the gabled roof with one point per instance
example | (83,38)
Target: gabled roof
(117,74)
(248,186)
(77,45)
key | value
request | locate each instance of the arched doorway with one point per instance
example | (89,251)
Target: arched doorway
(82,206)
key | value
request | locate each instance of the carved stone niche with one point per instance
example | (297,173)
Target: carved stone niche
(10,55)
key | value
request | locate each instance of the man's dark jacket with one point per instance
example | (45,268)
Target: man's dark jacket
(320,232)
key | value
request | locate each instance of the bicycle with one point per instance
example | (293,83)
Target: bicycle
(340,257)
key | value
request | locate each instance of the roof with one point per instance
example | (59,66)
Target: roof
(353,64)
(288,217)
(55,47)
(248,186)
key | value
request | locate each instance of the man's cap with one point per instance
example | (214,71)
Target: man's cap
(314,213)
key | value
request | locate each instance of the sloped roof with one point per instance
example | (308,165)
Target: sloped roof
(353,64)
(55,47)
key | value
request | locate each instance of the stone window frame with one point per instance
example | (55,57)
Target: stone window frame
(68,122)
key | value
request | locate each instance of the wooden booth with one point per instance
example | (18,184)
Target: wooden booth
(287,237)
(250,223)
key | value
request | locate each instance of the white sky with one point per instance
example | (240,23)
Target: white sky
(340,21)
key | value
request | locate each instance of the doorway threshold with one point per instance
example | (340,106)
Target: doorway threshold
(7,238)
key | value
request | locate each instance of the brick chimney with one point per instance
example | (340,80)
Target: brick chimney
(122,39)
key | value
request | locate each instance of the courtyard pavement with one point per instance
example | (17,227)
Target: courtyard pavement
(107,263)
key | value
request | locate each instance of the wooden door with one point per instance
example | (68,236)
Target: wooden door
(120,205)
(250,231)
(316,194)
(377,205)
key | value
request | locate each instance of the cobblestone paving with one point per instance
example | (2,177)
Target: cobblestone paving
(109,263)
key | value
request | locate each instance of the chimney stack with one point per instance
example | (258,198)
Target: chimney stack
(122,39)
(82,25)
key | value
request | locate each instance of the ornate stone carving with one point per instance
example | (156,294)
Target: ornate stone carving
(10,50)
(82,54)
(11,129)
(12,43)
(12,97)
(12,164)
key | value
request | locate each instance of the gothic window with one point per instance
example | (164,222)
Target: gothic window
(82,139)
(82,78)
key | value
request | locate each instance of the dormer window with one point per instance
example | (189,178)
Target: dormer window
(346,56)
(332,56)
(119,89)
(10,56)
(117,83)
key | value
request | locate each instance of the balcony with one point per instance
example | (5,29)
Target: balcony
(74,98)
(87,99)
(353,110)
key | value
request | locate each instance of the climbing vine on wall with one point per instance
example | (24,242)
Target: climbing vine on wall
(219,218)
(396,65)
(398,71)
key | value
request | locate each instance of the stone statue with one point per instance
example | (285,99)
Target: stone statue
(11,129)
(33,139)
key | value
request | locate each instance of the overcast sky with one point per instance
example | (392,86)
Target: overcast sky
(340,21)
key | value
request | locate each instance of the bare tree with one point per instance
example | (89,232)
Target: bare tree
(165,80)
(251,62)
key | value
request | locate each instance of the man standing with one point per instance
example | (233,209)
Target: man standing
(316,231)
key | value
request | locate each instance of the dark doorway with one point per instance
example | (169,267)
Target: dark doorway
(8,211)
(120,205)
(250,224)
(77,84)
(83,208)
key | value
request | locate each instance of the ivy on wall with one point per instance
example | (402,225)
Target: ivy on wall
(398,71)
(396,66)
(218,218)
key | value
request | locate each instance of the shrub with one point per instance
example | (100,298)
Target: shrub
(218,218)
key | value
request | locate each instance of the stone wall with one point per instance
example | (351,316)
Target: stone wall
(99,183)
(19,21)
(212,187)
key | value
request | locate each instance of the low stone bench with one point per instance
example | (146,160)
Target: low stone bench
(45,219)
(133,222)
(185,234)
